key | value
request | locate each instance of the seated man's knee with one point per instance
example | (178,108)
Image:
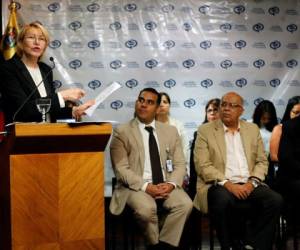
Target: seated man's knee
(147,213)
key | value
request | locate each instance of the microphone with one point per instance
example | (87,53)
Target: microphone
(34,90)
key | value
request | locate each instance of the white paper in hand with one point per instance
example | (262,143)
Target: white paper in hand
(102,96)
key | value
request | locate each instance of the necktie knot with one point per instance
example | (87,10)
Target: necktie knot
(149,129)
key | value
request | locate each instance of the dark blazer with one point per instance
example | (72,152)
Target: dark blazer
(16,84)
(289,151)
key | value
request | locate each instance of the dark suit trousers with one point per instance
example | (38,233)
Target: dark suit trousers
(261,211)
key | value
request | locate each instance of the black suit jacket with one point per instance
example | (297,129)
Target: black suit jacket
(16,84)
(289,150)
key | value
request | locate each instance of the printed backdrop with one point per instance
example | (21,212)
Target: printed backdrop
(192,49)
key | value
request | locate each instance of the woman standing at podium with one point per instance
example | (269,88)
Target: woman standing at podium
(24,78)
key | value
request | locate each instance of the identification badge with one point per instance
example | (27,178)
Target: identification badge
(169,166)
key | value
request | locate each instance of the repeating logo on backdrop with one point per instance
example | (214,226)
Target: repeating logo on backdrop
(57,84)
(152,63)
(75,64)
(292,63)
(53,7)
(115,26)
(275,44)
(94,7)
(94,84)
(187,26)
(240,44)
(239,9)
(275,82)
(205,44)
(189,103)
(131,43)
(225,27)
(150,26)
(291,28)
(189,63)
(204,9)
(116,104)
(169,44)
(116,64)
(55,44)
(258,27)
(167,8)
(130,7)
(226,64)
(242,82)
(132,83)
(206,83)
(170,83)
(259,63)
(94,44)
(75,25)
(274,11)
(258,101)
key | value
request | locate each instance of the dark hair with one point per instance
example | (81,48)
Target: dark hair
(166,95)
(153,91)
(263,107)
(215,102)
(291,103)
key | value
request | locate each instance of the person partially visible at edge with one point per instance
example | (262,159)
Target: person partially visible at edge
(163,115)
(292,110)
(212,112)
(21,75)
(265,117)
(231,165)
(136,185)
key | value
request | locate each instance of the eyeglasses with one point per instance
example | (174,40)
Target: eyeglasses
(215,110)
(148,102)
(33,38)
(230,105)
(296,112)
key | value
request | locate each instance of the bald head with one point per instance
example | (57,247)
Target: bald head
(234,95)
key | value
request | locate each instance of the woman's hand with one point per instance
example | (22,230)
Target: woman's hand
(72,94)
(78,111)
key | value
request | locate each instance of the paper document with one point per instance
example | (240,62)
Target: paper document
(102,96)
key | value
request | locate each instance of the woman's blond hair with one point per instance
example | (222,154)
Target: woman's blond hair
(21,36)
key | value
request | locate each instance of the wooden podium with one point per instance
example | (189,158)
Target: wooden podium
(52,186)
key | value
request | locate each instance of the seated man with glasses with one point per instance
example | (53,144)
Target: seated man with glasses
(231,165)
(149,164)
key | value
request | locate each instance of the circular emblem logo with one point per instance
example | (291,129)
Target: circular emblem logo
(259,63)
(94,7)
(170,83)
(150,26)
(115,64)
(131,43)
(189,63)
(75,25)
(75,64)
(206,83)
(94,84)
(242,82)
(53,7)
(169,44)
(94,44)
(258,27)
(205,44)
(116,104)
(275,82)
(240,44)
(189,103)
(132,83)
(152,63)
(226,64)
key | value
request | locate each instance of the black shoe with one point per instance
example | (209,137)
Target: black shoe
(166,246)
(153,247)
